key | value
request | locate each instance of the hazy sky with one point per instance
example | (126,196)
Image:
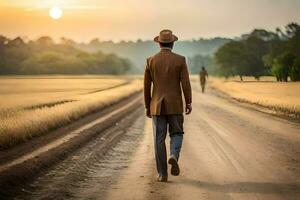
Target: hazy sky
(131,19)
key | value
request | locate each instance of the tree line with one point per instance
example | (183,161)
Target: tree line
(262,53)
(44,56)
(137,51)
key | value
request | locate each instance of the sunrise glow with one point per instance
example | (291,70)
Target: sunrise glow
(56,13)
(122,20)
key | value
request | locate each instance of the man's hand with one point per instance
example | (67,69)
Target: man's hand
(148,113)
(188,109)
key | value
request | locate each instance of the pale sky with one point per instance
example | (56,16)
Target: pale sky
(116,20)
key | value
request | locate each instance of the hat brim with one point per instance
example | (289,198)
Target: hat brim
(157,39)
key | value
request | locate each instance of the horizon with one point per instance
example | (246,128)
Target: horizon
(117,20)
(57,39)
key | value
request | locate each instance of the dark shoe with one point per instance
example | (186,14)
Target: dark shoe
(162,178)
(175,171)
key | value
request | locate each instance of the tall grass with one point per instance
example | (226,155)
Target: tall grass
(22,125)
(284,97)
(19,92)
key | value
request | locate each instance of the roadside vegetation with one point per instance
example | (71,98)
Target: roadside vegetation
(262,53)
(39,113)
(29,92)
(277,96)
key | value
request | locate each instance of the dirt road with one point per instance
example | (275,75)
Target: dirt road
(229,152)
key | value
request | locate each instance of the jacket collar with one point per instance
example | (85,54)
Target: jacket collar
(166,48)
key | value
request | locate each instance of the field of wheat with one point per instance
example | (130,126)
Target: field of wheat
(267,92)
(30,106)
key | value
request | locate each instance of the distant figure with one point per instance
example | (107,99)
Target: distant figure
(203,76)
(168,73)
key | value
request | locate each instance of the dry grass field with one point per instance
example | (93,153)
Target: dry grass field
(30,106)
(20,92)
(267,92)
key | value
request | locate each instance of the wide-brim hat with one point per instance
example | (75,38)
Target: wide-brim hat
(166,36)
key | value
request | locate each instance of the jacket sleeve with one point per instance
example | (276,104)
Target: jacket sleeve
(147,87)
(185,83)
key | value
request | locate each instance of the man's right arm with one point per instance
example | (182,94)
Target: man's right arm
(147,89)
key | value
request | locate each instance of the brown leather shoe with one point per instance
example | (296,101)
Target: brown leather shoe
(175,170)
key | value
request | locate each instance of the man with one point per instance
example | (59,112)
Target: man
(203,75)
(169,75)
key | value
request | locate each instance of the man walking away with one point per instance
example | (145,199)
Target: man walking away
(168,73)
(203,75)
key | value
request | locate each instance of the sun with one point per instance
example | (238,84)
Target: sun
(55,12)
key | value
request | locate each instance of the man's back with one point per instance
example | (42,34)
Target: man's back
(166,70)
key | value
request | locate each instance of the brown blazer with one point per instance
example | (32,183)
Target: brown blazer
(168,73)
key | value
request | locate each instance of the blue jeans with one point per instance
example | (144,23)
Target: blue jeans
(160,127)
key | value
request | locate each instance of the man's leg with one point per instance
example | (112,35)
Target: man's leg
(175,144)
(202,87)
(159,133)
(176,134)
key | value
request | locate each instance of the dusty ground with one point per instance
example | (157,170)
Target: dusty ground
(229,152)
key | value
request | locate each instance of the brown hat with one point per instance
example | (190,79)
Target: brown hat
(166,36)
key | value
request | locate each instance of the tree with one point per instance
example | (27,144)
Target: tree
(261,34)
(293,42)
(283,65)
(12,54)
(45,41)
(66,41)
(3,41)
(262,52)
(292,29)
(242,58)
(255,49)
(229,57)
(275,48)
(295,70)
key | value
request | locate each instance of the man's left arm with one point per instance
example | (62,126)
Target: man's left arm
(147,89)
(186,87)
